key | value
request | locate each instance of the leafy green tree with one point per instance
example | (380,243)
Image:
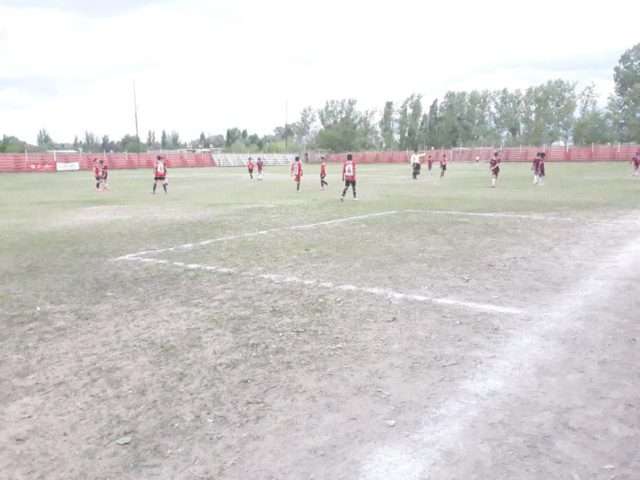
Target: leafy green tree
(44,139)
(423,131)
(174,139)
(508,108)
(453,127)
(302,128)
(433,127)
(106,145)
(402,124)
(164,140)
(233,135)
(387,127)
(217,141)
(131,144)
(591,125)
(625,105)
(549,112)
(344,128)
(90,142)
(11,144)
(414,111)
(479,117)
(151,138)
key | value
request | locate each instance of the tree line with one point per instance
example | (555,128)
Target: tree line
(545,114)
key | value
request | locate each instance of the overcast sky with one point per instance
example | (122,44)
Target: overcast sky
(69,65)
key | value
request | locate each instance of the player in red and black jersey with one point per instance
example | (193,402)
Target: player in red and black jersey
(160,174)
(323,173)
(536,168)
(541,169)
(443,164)
(104,176)
(349,176)
(97,173)
(635,161)
(429,164)
(296,172)
(260,166)
(494,166)
(250,168)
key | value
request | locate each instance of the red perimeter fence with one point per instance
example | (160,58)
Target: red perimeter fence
(597,153)
(50,162)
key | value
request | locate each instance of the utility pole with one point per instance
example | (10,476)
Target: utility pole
(135,109)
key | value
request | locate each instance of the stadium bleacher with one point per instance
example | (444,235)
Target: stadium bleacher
(241,159)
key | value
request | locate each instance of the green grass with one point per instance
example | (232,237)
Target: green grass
(57,230)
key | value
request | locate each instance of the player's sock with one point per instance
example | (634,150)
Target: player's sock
(164,186)
(493,182)
(154,187)
(298,187)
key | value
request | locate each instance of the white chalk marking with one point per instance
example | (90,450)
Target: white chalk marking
(445,428)
(381,292)
(493,215)
(189,246)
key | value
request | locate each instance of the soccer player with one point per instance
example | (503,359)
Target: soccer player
(536,168)
(429,164)
(160,174)
(323,173)
(636,164)
(250,167)
(296,173)
(260,165)
(104,176)
(97,173)
(541,169)
(415,163)
(494,166)
(443,165)
(349,176)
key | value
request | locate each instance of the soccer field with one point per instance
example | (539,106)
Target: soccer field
(236,329)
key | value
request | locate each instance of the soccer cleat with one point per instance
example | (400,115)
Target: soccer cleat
(342,199)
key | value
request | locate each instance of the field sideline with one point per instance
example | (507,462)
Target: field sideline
(236,329)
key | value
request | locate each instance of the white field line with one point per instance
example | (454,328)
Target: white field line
(189,246)
(445,428)
(381,292)
(493,215)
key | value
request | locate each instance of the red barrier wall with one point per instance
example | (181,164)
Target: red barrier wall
(598,153)
(45,162)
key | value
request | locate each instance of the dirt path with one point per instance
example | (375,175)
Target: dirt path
(560,399)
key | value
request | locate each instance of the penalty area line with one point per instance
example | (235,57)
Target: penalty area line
(279,279)
(189,246)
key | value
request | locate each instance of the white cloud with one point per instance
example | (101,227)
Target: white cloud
(202,65)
